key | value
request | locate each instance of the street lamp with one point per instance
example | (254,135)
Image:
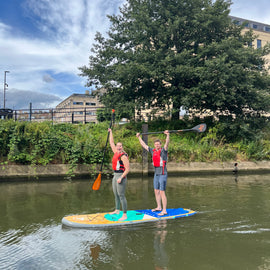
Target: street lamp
(5,85)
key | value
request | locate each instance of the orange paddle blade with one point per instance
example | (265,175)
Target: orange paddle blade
(97,183)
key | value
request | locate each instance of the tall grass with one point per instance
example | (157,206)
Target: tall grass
(43,143)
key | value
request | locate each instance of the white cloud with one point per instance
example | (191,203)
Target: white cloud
(66,34)
(60,42)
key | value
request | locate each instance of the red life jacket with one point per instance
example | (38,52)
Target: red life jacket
(117,163)
(157,159)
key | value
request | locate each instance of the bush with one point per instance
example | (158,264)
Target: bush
(43,143)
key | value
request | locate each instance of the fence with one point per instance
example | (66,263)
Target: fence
(75,115)
(57,115)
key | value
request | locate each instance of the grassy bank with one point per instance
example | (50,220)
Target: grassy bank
(44,143)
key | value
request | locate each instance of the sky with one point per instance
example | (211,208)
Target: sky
(43,42)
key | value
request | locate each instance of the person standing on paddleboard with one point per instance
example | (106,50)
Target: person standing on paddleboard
(120,165)
(159,157)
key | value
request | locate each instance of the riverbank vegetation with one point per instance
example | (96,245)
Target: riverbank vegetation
(43,143)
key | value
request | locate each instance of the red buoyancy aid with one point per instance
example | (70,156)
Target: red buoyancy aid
(157,159)
(117,163)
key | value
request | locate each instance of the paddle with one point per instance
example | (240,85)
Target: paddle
(198,128)
(97,182)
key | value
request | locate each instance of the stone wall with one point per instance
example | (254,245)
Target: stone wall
(61,170)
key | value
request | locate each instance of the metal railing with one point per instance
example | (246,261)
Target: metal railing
(56,115)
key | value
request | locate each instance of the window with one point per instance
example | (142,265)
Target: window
(259,43)
(90,103)
(267,28)
(77,103)
(255,26)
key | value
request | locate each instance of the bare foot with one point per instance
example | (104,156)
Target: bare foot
(124,217)
(163,213)
(156,209)
(115,212)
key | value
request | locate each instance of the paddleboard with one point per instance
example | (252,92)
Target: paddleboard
(133,217)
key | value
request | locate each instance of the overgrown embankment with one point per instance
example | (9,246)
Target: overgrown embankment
(43,143)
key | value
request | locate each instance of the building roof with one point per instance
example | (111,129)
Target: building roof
(252,24)
(85,95)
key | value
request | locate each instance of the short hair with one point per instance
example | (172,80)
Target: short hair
(157,141)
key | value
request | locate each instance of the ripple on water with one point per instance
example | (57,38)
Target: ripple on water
(46,248)
(224,209)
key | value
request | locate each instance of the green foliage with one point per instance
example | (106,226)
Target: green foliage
(243,128)
(179,53)
(104,115)
(43,143)
(255,150)
(6,129)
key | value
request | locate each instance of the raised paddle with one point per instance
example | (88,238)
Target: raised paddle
(96,184)
(199,128)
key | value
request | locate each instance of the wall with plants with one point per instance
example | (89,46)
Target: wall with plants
(46,143)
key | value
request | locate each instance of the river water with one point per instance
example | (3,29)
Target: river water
(230,231)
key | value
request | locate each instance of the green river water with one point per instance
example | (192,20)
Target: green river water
(231,229)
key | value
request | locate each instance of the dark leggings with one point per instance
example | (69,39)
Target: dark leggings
(119,192)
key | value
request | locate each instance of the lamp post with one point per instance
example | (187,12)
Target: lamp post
(5,85)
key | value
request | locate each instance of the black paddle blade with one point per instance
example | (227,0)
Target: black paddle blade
(200,128)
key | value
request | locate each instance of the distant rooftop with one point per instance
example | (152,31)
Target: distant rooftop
(85,95)
(81,95)
(251,24)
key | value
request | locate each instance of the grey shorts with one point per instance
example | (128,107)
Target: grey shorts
(160,181)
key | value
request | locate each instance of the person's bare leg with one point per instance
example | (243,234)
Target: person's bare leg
(158,200)
(164,202)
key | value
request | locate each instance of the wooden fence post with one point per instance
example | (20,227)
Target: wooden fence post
(145,153)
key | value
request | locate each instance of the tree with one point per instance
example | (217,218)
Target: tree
(179,52)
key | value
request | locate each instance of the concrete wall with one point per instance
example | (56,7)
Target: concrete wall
(60,170)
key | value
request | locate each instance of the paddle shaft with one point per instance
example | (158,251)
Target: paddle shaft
(104,151)
(170,131)
(198,128)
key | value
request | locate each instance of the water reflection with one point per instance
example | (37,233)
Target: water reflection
(161,257)
(235,172)
(95,250)
(232,223)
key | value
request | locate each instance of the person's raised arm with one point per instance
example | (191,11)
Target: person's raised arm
(166,145)
(112,141)
(143,144)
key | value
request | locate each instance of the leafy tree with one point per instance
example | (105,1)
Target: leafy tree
(179,52)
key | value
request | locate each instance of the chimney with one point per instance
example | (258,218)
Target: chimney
(87,92)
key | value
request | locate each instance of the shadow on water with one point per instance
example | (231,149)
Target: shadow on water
(230,231)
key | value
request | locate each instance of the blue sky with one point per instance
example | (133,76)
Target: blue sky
(43,42)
